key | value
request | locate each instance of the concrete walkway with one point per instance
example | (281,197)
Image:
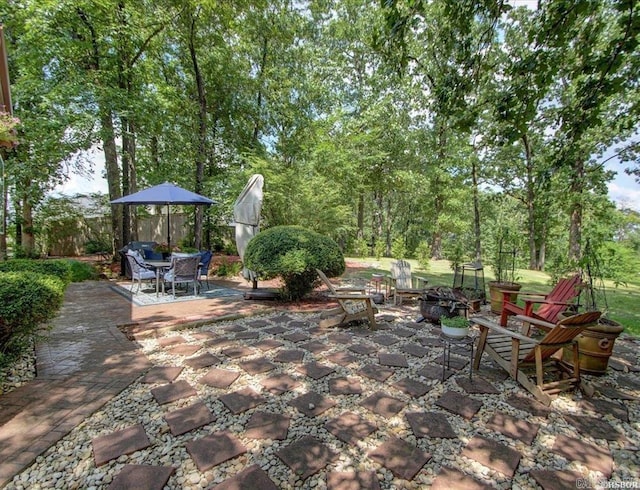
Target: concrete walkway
(84,363)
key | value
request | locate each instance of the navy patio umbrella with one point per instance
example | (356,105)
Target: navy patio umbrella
(165,194)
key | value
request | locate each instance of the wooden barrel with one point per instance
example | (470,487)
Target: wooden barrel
(595,345)
(497,297)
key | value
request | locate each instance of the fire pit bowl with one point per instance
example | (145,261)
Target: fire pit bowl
(441,301)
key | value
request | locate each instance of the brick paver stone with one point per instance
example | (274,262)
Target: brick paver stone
(557,480)
(235,329)
(597,458)
(247,335)
(315,370)
(219,342)
(257,366)
(282,319)
(493,454)
(267,425)
(114,445)
(289,355)
(628,382)
(345,386)
(206,335)
(267,344)
(614,393)
(237,351)
(403,332)
(430,424)
(401,458)
(279,383)
(276,330)
(415,350)
(430,341)
(596,427)
(315,346)
(188,418)
(250,478)
(296,337)
(142,477)
(385,339)
(412,387)
(350,427)
(460,404)
(312,403)
(352,480)
(513,427)
(431,371)
(173,340)
(242,400)
(214,449)
(202,361)
(343,358)
(306,456)
(162,374)
(450,478)
(529,404)
(383,404)
(477,385)
(257,323)
(184,350)
(173,391)
(340,338)
(298,324)
(363,349)
(219,378)
(393,360)
(602,407)
(455,362)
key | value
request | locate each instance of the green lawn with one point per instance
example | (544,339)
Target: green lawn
(623,301)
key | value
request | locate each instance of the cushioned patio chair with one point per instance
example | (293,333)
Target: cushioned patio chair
(550,305)
(354,305)
(139,271)
(205,260)
(184,269)
(402,284)
(536,362)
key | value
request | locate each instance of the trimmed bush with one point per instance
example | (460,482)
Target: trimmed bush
(27,301)
(293,253)
(58,268)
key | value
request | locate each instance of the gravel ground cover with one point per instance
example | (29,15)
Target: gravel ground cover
(354,393)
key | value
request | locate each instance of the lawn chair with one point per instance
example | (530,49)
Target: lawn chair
(184,269)
(139,271)
(354,305)
(519,354)
(402,284)
(551,304)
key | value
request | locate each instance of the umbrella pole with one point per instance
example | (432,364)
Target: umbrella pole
(168,228)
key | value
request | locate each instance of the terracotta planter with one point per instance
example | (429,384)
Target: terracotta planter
(497,297)
(595,346)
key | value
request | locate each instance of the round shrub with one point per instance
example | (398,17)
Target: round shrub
(293,253)
(59,267)
(27,300)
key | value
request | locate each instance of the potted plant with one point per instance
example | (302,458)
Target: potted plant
(8,130)
(504,268)
(455,326)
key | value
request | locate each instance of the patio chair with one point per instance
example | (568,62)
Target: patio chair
(205,260)
(551,305)
(402,284)
(354,305)
(139,271)
(521,355)
(184,269)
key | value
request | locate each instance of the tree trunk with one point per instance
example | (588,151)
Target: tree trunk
(533,263)
(360,231)
(476,211)
(28,237)
(576,188)
(201,154)
(113,177)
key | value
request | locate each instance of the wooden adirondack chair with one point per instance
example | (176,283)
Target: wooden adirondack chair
(519,354)
(551,304)
(354,305)
(402,284)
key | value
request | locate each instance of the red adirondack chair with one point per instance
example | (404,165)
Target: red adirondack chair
(551,304)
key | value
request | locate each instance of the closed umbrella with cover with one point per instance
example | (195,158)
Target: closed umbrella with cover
(246,214)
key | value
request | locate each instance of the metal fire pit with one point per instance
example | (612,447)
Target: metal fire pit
(442,301)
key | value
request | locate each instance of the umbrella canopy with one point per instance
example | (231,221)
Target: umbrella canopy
(166,194)
(246,214)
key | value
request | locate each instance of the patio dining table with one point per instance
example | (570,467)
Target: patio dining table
(159,266)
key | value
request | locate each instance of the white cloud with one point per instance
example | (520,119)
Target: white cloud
(86,184)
